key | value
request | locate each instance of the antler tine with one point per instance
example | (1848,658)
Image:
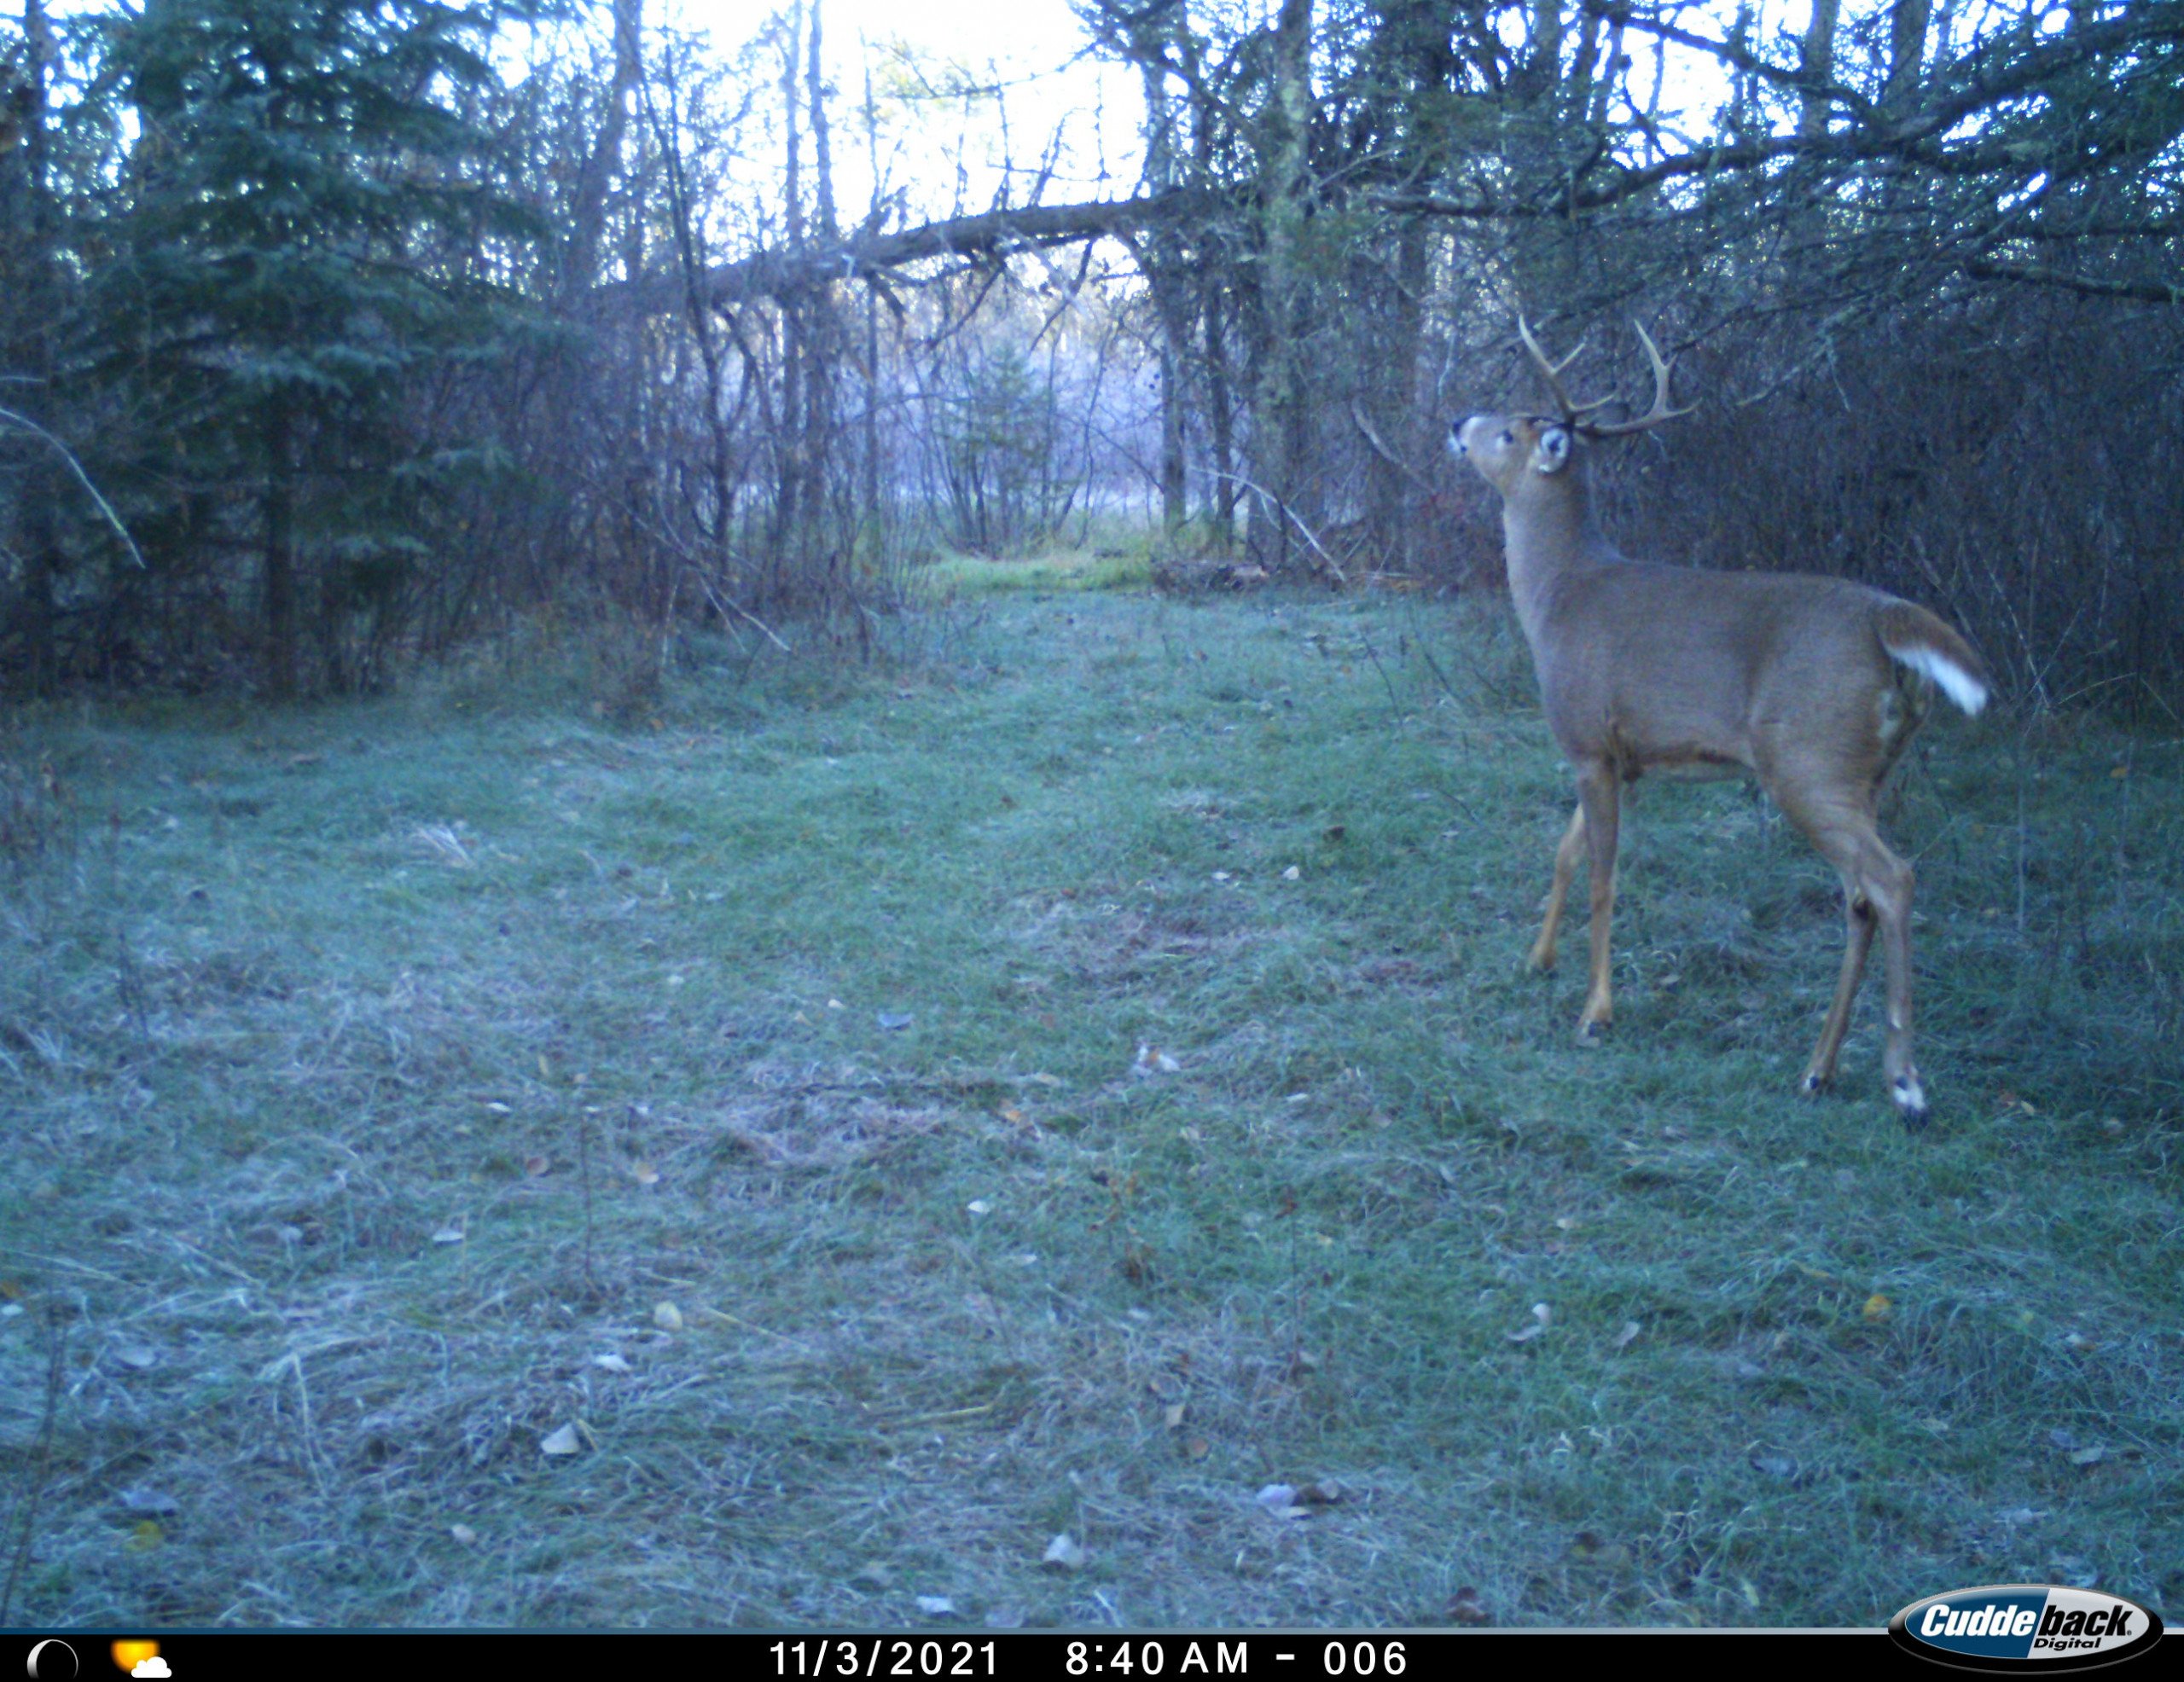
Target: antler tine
(1652,417)
(1552,373)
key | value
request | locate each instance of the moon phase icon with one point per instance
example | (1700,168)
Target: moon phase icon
(53,1662)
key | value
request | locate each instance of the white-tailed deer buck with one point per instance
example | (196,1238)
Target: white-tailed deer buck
(1812,685)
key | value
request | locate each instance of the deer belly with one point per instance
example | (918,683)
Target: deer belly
(1678,757)
(1698,769)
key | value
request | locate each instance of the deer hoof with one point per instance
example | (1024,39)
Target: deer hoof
(1593,1033)
(1814,1083)
(1540,963)
(1910,1100)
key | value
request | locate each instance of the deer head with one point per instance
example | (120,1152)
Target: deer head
(1507,449)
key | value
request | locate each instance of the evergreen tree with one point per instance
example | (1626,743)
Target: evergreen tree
(310,240)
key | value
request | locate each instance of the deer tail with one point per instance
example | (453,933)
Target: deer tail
(1926,644)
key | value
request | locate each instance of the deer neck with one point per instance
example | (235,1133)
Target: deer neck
(1550,536)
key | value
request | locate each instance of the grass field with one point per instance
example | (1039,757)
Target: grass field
(787,1160)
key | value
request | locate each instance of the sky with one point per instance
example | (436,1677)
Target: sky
(1033,49)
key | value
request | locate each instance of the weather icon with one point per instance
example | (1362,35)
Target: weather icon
(53,1662)
(154,1666)
(140,1658)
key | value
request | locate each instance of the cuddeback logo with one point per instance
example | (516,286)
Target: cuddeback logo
(2024,1625)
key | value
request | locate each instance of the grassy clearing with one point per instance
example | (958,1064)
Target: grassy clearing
(757,1091)
(954,576)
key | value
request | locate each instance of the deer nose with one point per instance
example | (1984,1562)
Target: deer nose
(1456,440)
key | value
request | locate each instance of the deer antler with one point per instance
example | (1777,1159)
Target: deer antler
(1574,414)
(1652,417)
(1552,373)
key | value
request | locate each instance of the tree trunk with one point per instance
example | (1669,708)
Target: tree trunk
(36,308)
(1907,54)
(823,344)
(590,211)
(278,570)
(1817,63)
(1160,259)
(1280,413)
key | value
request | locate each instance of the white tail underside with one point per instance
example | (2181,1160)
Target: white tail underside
(1958,684)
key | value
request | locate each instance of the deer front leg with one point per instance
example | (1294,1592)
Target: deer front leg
(1599,794)
(1565,867)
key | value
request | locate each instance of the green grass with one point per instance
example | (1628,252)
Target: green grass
(956,576)
(757,1089)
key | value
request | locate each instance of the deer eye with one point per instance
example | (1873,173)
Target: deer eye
(1508,437)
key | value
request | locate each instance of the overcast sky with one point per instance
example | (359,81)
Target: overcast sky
(1033,49)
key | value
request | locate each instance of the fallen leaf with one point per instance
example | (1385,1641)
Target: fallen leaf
(1465,1607)
(567,1441)
(1625,1338)
(138,1499)
(894,1022)
(667,1317)
(1540,1317)
(144,1536)
(1877,1307)
(936,1605)
(979,1206)
(1276,1495)
(1196,1448)
(448,1235)
(1064,1553)
(1588,1544)
(1775,1465)
(463,1534)
(1173,1414)
(1292,874)
(2088,1457)
(610,1362)
(1150,1061)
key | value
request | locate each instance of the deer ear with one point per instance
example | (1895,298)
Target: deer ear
(1552,453)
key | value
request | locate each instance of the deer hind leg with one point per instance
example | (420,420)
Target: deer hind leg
(1887,883)
(1876,893)
(1858,940)
(1565,867)
(1598,793)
